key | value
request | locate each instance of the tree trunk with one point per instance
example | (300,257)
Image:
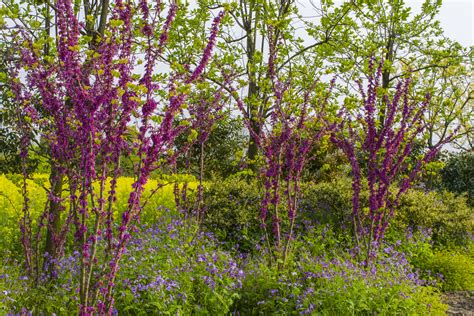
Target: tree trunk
(389,57)
(252,150)
(54,212)
(252,106)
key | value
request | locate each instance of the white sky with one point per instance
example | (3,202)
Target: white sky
(456,17)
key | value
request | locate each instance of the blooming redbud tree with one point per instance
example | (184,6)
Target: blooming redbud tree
(293,125)
(88,98)
(385,152)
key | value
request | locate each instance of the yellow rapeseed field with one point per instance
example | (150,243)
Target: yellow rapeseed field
(11,200)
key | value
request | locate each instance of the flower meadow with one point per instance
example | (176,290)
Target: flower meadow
(148,170)
(175,266)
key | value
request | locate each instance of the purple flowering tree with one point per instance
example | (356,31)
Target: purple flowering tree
(290,127)
(384,150)
(88,98)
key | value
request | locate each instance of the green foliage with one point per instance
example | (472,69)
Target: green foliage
(9,153)
(327,202)
(455,270)
(448,216)
(450,270)
(232,210)
(222,150)
(458,174)
(327,163)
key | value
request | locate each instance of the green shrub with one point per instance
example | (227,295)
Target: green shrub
(451,269)
(222,149)
(327,202)
(447,215)
(455,270)
(328,162)
(232,210)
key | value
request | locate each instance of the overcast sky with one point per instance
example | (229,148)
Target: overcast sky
(456,17)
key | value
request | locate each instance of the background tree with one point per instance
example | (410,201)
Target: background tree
(458,174)
(223,150)
(246,45)
(410,43)
(452,105)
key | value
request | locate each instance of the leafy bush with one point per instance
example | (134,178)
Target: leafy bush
(453,269)
(448,216)
(327,162)
(327,202)
(450,270)
(458,174)
(222,149)
(232,209)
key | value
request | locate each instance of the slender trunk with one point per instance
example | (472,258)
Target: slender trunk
(293,202)
(252,106)
(56,180)
(54,213)
(252,150)
(200,190)
(389,56)
(276,197)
